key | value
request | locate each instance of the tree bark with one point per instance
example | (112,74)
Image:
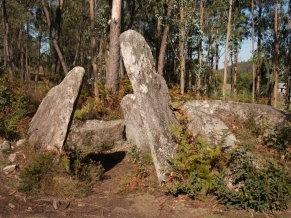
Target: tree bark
(27,72)
(276,57)
(94,49)
(182,47)
(6,40)
(235,74)
(216,61)
(198,76)
(20,48)
(259,58)
(162,53)
(53,31)
(112,75)
(253,52)
(226,50)
(38,57)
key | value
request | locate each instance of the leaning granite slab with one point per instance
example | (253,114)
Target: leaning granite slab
(147,112)
(96,135)
(49,126)
(207,118)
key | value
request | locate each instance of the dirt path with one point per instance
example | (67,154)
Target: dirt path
(116,197)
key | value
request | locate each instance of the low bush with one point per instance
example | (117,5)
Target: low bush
(60,175)
(239,178)
(265,186)
(192,171)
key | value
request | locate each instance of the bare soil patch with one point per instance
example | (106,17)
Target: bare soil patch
(120,194)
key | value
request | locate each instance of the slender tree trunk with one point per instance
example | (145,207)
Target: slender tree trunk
(276,58)
(182,47)
(38,57)
(114,48)
(288,86)
(77,50)
(53,33)
(226,50)
(235,74)
(27,72)
(259,58)
(216,61)
(161,61)
(6,40)
(253,52)
(94,49)
(158,40)
(231,75)
(198,76)
(20,49)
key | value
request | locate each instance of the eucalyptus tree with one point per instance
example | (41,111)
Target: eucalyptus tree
(226,49)
(54,29)
(163,45)
(114,48)
(239,33)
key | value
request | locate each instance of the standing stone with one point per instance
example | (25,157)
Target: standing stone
(147,112)
(49,126)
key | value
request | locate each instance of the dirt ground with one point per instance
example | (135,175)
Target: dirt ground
(116,197)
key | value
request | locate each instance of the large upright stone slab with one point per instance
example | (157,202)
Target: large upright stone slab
(147,112)
(49,126)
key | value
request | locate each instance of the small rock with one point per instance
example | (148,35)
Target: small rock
(9,169)
(12,157)
(5,145)
(81,205)
(11,205)
(56,203)
(20,142)
(29,209)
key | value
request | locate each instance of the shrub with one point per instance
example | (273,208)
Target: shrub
(38,175)
(192,171)
(68,176)
(267,187)
(279,138)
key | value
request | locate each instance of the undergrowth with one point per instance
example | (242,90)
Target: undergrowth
(241,177)
(107,106)
(65,174)
(142,174)
(17,105)
(258,186)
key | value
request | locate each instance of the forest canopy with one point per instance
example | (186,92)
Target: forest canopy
(42,40)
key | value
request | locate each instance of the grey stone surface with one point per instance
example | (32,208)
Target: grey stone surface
(238,110)
(96,135)
(5,145)
(207,117)
(48,128)
(213,130)
(147,112)
(12,157)
(9,169)
(20,143)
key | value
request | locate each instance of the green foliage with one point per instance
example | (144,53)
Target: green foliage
(55,175)
(266,187)
(138,156)
(141,159)
(279,138)
(106,107)
(14,108)
(37,175)
(79,166)
(192,171)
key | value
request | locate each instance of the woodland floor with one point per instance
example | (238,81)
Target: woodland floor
(111,198)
